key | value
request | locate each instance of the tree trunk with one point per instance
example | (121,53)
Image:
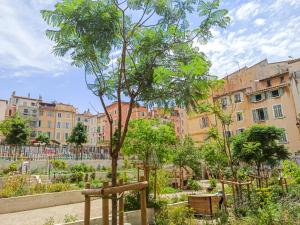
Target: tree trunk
(114,202)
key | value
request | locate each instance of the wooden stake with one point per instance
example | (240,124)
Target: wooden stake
(121,206)
(87,206)
(143,205)
(105,205)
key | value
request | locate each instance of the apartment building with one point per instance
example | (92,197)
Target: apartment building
(47,119)
(265,93)
(93,130)
(64,122)
(27,107)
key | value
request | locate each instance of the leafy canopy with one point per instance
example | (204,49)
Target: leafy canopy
(259,144)
(43,138)
(78,135)
(151,140)
(16,130)
(143,49)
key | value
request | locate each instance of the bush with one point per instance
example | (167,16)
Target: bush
(179,215)
(61,178)
(58,187)
(76,177)
(82,168)
(11,168)
(93,176)
(194,185)
(70,218)
(96,183)
(132,201)
(14,186)
(59,164)
(169,190)
(213,183)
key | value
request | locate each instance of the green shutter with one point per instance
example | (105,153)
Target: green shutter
(252,98)
(281,91)
(268,94)
(255,116)
(266,113)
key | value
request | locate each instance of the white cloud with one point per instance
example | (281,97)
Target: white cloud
(24,47)
(280,4)
(247,11)
(260,21)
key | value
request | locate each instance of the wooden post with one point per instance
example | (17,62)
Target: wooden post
(248,191)
(138,174)
(105,205)
(121,206)
(143,205)
(223,194)
(87,206)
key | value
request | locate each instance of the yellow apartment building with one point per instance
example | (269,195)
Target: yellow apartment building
(265,93)
(64,122)
(47,119)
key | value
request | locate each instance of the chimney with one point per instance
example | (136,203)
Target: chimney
(28,95)
(40,98)
(13,93)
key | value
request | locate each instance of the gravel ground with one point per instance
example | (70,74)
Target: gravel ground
(39,216)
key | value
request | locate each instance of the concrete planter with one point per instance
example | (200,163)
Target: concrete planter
(29,202)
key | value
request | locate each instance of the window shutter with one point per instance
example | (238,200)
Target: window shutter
(252,98)
(281,91)
(263,96)
(255,116)
(268,94)
(266,113)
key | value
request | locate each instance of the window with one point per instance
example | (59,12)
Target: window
(66,136)
(260,114)
(228,133)
(58,136)
(67,125)
(9,112)
(239,116)
(49,124)
(277,111)
(224,102)
(25,112)
(204,122)
(142,114)
(58,125)
(238,98)
(269,84)
(240,130)
(59,115)
(283,139)
(275,93)
(258,97)
(49,114)
(41,113)
(32,104)
(115,112)
(49,134)
(86,120)
(40,123)
(68,115)
(282,79)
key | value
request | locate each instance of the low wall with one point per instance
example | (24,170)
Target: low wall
(132,217)
(29,202)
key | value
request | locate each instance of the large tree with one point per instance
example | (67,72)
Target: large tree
(258,145)
(142,50)
(78,137)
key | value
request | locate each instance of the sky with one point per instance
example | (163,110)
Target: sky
(259,29)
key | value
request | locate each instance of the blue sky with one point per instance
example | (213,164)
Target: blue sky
(259,29)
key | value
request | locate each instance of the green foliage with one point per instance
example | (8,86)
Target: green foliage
(82,168)
(78,135)
(292,170)
(16,130)
(179,215)
(132,201)
(162,181)
(213,183)
(96,183)
(70,218)
(77,177)
(59,164)
(150,140)
(169,190)
(11,168)
(257,145)
(49,221)
(186,154)
(194,185)
(43,138)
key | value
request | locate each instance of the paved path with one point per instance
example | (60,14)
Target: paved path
(40,216)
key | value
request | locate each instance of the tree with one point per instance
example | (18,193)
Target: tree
(141,50)
(78,137)
(16,130)
(43,138)
(186,155)
(151,141)
(258,145)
